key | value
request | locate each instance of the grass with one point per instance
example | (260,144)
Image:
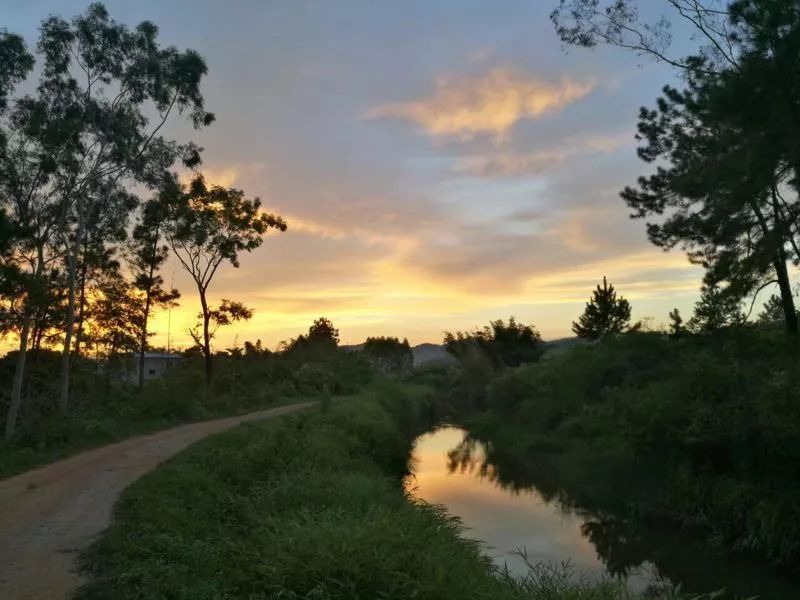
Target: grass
(309,506)
(106,409)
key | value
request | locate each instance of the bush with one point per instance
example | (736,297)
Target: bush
(700,430)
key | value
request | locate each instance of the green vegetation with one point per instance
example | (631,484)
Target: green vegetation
(108,408)
(700,430)
(389,355)
(308,506)
(605,314)
(501,344)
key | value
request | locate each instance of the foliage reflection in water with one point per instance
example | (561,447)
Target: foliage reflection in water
(512,512)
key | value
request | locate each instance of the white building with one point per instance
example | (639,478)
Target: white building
(155,364)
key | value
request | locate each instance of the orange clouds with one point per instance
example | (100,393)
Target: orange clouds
(490,104)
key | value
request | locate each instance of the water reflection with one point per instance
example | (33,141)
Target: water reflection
(512,505)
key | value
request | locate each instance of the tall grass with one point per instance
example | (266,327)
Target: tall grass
(310,506)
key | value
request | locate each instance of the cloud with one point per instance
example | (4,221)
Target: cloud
(512,164)
(465,106)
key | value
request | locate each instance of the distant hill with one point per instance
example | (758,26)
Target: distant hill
(556,347)
(424,354)
(431,354)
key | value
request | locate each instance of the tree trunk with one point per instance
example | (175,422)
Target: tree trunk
(143,338)
(787,300)
(19,374)
(63,401)
(206,338)
(19,369)
(81,304)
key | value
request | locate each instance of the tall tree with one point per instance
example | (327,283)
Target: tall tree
(605,314)
(85,133)
(208,226)
(730,192)
(148,253)
(720,188)
(715,310)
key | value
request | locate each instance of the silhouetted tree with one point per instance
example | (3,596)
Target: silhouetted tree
(323,331)
(320,342)
(772,311)
(208,226)
(604,314)
(676,326)
(116,313)
(389,354)
(94,123)
(227,313)
(256,350)
(729,190)
(716,309)
(148,254)
(588,23)
(503,344)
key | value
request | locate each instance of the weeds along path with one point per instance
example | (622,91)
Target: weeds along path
(48,516)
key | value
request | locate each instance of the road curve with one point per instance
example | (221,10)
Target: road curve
(48,516)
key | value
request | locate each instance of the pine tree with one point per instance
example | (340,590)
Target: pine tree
(676,326)
(716,309)
(604,314)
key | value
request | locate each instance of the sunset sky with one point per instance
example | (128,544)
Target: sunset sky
(439,164)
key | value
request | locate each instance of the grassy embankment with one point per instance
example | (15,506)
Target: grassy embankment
(307,506)
(701,431)
(105,408)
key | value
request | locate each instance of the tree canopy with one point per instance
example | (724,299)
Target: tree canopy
(205,227)
(503,344)
(605,314)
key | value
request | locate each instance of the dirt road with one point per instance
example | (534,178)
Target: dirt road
(50,515)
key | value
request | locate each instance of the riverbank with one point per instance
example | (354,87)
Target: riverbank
(700,432)
(311,506)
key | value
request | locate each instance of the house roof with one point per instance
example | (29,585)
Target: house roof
(162,355)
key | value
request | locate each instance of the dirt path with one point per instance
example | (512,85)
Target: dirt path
(49,515)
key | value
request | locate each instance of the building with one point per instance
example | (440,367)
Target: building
(155,364)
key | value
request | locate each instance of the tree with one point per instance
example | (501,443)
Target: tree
(719,184)
(116,313)
(605,314)
(256,350)
(389,354)
(716,309)
(147,254)
(772,311)
(676,326)
(730,191)
(502,344)
(320,342)
(206,227)
(588,23)
(227,313)
(322,331)
(86,131)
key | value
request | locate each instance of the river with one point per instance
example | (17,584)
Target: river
(452,470)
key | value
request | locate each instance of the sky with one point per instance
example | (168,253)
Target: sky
(440,164)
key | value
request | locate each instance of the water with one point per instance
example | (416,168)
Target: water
(452,470)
